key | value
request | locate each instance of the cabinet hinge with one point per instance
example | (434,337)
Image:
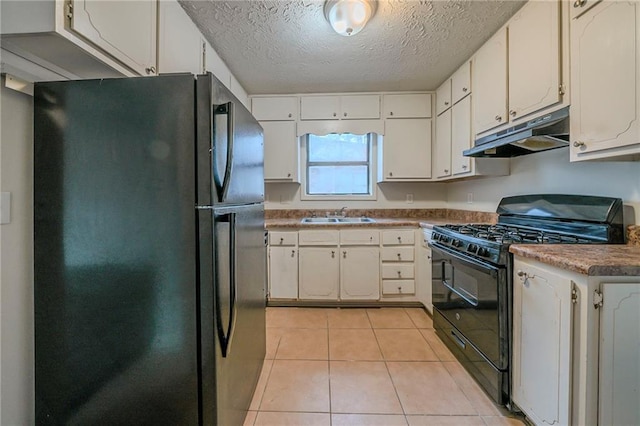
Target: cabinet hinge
(69,10)
(597,299)
(574,293)
(561,90)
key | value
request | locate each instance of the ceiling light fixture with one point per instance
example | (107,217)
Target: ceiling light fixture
(349,17)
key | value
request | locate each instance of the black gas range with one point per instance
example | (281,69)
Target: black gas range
(472,273)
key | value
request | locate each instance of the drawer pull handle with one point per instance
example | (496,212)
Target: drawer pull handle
(281,241)
(399,256)
(400,289)
(333,254)
(344,254)
(399,239)
(399,274)
(293,253)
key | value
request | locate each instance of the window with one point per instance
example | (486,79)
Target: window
(339,165)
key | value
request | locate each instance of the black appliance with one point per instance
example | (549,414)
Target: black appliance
(473,273)
(149,252)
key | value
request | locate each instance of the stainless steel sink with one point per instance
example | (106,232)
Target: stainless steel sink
(324,220)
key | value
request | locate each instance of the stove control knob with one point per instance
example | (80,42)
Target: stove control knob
(483,252)
(472,248)
(456,243)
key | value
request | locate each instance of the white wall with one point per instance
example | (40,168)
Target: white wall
(16,261)
(551,172)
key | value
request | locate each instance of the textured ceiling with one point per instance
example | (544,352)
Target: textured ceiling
(285,46)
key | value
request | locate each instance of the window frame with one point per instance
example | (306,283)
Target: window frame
(372,162)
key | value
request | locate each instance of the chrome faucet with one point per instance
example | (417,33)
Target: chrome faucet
(343,212)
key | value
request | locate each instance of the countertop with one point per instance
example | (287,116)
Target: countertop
(290,223)
(587,259)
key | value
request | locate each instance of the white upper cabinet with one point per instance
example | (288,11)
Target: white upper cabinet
(605,97)
(280,151)
(407,105)
(442,164)
(443,97)
(460,136)
(180,43)
(334,107)
(125,30)
(534,58)
(280,108)
(461,82)
(406,153)
(490,83)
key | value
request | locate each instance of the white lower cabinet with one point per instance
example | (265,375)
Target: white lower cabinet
(283,272)
(359,273)
(398,273)
(424,273)
(319,273)
(576,346)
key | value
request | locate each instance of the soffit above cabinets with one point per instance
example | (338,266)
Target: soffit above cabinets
(287,46)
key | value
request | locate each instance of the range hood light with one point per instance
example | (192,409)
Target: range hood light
(349,17)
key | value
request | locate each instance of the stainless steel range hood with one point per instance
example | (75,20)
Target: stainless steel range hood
(550,131)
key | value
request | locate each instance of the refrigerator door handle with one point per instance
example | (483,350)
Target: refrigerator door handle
(223,187)
(225,334)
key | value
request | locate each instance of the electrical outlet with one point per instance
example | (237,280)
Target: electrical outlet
(409,198)
(469,197)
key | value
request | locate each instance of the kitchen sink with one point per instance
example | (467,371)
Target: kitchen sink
(324,220)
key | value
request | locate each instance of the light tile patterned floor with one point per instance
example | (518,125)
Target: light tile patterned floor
(349,366)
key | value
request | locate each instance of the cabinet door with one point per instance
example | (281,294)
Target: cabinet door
(407,149)
(213,63)
(620,354)
(461,82)
(410,105)
(318,273)
(490,83)
(460,136)
(280,150)
(360,107)
(180,46)
(542,324)
(443,97)
(125,30)
(283,272)
(442,163)
(281,108)
(534,58)
(319,107)
(360,273)
(604,78)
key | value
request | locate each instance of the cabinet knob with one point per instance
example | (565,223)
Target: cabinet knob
(399,239)
(344,254)
(446,103)
(290,115)
(498,118)
(288,174)
(399,289)
(293,253)
(345,114)
(390,112)
(513,113)
(578,144)
(390,174)
(579,3)
(333,254)
(446,170)
(429,257)
(399,256)
(150,70)
(281,240)
(335,114)
(464,89)
(464,166)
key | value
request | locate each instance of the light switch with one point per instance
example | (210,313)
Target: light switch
(5,207)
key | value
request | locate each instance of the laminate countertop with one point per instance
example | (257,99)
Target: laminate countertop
(290,223)
(588,259)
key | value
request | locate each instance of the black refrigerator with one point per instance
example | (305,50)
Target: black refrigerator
(150,254)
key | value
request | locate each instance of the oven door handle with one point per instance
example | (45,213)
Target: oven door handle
(465,259)
(466,298)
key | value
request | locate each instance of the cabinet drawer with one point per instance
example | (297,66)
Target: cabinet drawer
(461,83)
(397,254)
(398,287)
(416,105)
(318,238)
(275,109)
(397,271)
(283,238)
(398,237)
(350,237)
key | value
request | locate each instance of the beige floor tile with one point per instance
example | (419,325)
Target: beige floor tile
(273,340)
(295,385)
(474,393)
(303,343)
(362,388)
(404,345)
(502,421)
(296,318)
(420,317)
(445,421)
(348,318)
(250,418)
(266,418)
(389,318)
(262,383)
(441,350)
(427,388)
(368,420)
(353,345)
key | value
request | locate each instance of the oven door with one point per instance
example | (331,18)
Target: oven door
(472,296)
